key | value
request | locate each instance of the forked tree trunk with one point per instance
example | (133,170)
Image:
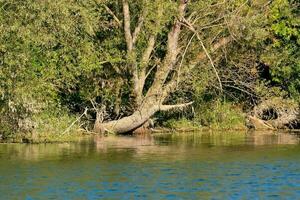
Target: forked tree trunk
(137,119)
(152,101)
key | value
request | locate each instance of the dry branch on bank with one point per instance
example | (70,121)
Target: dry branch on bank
(275,113)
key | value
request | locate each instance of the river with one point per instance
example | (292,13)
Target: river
(226,165)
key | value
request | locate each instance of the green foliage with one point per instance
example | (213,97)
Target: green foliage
(58,56)
(44,48)
(55,121)
(213,114)
(181,124)
(219,115)
(283,51)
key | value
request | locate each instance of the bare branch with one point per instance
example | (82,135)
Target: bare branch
(148,50)
(137,29)
(240,89)
(222,42)
(146,56)
(177,106)
(171,86)
(112,14)
(140,82)
(75,121)
(150,70)
(183,56)
(206,52)
(211,61)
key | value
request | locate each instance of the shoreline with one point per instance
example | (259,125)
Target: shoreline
(82,134)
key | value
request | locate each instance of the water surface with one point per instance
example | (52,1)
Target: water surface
(164,166)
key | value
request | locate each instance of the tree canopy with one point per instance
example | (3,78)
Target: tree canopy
(125,58)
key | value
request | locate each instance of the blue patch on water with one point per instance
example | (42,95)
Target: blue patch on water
(189,172)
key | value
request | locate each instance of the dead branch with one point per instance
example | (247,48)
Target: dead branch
(183,56)
(113,15)
(206,52)
(75,121)
(177,106)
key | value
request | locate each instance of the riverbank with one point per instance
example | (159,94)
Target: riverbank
(81,134)
(47,138)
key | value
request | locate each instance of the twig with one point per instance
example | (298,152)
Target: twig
(183,56)
(112,14)
(206,52)
(84,113)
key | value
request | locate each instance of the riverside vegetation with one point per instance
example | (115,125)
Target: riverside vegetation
(123,66)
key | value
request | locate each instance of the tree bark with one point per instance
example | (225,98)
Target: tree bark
(129,123)
(137,119)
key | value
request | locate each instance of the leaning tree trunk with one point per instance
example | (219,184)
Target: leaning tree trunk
(151,101)
(149,104)
(129,123)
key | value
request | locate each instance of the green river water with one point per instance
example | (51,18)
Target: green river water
(162,166)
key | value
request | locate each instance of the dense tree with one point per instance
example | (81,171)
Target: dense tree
(44,46)
(283,46)
(126,60)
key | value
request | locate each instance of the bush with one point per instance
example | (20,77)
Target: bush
(220,115)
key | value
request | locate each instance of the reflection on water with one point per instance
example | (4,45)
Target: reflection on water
(158,143)
(161,166)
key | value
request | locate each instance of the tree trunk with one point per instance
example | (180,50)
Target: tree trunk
(138,118)
(129,123)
